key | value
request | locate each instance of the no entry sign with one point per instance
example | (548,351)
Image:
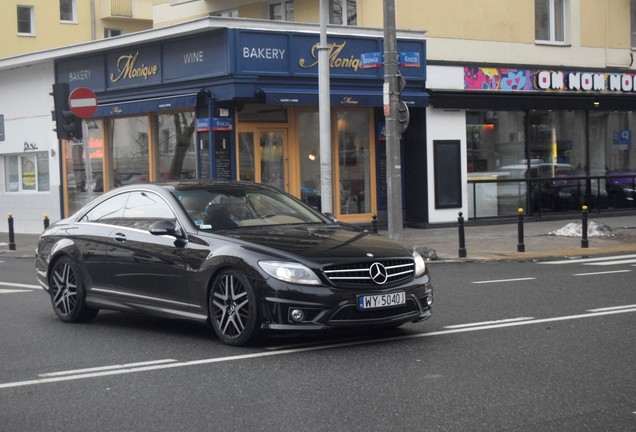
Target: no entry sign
(82,102)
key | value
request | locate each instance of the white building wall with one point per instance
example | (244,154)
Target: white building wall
(26,105)
(445,125)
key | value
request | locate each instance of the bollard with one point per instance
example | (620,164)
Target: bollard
(520,246)
(374,224)
(462,240)
(46,221)
(584,242)
(11,233)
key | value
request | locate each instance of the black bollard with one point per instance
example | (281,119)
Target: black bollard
(11,233)
(520,246)
(462,240)
(374,224)
(584,242)
(46,221)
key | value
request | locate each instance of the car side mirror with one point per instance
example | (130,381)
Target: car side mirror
(331,217)
(164,227)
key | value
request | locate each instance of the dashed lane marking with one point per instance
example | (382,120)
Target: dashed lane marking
(589,260)
(20,285)
(288,351)
(601,273)
(504,280)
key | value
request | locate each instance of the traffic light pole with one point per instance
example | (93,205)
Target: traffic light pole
(391,107)
(87,160)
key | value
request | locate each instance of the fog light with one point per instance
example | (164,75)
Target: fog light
(429,300)
(297,315)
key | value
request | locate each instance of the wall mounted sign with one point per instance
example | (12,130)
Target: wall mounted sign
(528,80)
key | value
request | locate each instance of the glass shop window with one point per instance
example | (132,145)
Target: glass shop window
(28,172)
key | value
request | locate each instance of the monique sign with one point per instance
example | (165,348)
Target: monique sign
(127,68)
(506,79)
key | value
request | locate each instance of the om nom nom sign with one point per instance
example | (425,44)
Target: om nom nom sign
(507,79)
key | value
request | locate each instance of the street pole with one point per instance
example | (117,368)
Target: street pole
(391,103)
(324,107)
(87,160)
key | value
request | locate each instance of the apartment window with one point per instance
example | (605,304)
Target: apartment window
(549,20)
(282,10)
(29,172)
(343,12)
(111,32)
(67,11)
(632,13)
(26,23)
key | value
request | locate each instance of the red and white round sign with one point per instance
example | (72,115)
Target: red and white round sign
(82,102)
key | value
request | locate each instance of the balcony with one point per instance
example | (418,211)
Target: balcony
(121,8)
(127,9)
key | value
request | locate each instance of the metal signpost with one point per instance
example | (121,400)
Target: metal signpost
(391,112)
(83,103)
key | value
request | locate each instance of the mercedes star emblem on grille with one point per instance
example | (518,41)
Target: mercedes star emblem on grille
(378,273)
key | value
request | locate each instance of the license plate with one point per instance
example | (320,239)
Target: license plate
(381,300)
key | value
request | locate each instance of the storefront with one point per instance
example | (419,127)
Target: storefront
(542,140)
(240,103)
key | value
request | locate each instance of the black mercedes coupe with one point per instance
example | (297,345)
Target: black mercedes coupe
(243,257)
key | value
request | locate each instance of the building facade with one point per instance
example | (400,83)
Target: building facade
(527,105)
(37,25)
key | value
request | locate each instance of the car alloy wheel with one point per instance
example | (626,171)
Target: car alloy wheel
(233,309)
(67,292)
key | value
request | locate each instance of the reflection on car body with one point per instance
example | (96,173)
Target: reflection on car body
(268,263)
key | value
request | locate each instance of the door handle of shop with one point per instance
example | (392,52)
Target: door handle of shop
(120,237)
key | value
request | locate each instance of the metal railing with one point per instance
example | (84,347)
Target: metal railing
(550,195)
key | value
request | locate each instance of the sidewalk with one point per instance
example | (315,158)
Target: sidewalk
(482,242)
(500,242)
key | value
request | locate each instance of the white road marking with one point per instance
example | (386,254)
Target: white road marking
(586,260)
(102,368)
(601,273)
(612,308)
(504,280)
(154,367)
(607,263)
(489,322)
(19,285)
(8,291)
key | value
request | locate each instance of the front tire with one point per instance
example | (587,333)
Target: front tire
(233,309)
(68,293)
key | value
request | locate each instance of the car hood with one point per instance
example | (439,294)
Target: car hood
(321,243)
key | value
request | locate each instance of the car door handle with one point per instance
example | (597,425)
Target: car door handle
(120,237)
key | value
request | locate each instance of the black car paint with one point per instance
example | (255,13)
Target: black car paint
(111,267)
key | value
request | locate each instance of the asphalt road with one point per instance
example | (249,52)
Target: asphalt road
(511,346)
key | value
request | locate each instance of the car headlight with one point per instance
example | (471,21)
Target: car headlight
(420,266)
(290,272)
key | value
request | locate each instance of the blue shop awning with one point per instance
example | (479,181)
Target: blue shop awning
(146,105)
(339,97)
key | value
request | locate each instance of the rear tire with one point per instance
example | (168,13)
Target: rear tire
(68,293)
(233,309)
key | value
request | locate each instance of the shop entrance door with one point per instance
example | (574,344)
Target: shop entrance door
(263,156)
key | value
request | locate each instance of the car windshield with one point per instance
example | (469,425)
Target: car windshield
(217,209)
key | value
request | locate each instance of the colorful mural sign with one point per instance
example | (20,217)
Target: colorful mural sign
(509,79)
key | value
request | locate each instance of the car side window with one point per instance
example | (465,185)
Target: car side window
(107,212)
(144,208)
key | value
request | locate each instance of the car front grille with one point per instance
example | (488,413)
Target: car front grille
(360,274)
(351,313)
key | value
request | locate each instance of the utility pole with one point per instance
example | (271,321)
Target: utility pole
(324,108)
(391,107)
